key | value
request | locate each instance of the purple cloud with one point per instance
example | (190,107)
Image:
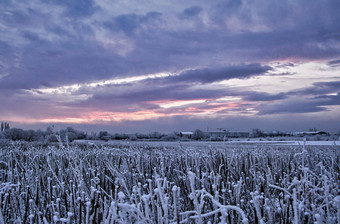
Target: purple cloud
(259,96)
(318,88)
(290,107)
(155,46)
(334,63)
(130,22)
(192,11)
(74,9)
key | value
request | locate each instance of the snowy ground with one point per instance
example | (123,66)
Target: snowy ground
(290,142)
(221,144)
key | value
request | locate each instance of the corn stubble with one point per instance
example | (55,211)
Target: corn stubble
(138,183)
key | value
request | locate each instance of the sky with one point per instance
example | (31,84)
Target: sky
(156,65)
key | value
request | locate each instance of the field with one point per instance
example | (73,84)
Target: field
(169,183)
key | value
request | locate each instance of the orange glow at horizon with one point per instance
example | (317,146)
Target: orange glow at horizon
(167,108)
(105,116)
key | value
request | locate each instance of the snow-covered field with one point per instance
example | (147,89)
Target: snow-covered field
(220,143)
(320,143)
(178,182)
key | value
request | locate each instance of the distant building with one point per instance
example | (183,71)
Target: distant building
(187,134)
(215,134)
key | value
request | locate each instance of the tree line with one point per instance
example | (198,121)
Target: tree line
(71,134)
(48,135)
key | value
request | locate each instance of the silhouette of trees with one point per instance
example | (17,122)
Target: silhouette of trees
(198,134)
(4,126)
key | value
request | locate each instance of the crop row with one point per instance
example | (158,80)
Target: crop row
(141,184)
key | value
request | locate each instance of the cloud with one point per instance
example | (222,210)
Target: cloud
(130,22)
(21,106)
(140,94)
(308,100)
(278,16)
(329,100)
(59,65)
(334,63)
(289,107)
(144,95)
(261,96)
(76,9)
(192,11)
(164,42)
(210,75)
(318,88)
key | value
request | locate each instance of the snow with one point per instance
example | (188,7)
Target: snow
(194,144)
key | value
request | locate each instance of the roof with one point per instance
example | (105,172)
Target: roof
(186,132)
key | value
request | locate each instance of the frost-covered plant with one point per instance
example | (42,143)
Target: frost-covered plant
(140,183)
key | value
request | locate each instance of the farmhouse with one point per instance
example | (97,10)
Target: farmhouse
(187,134)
